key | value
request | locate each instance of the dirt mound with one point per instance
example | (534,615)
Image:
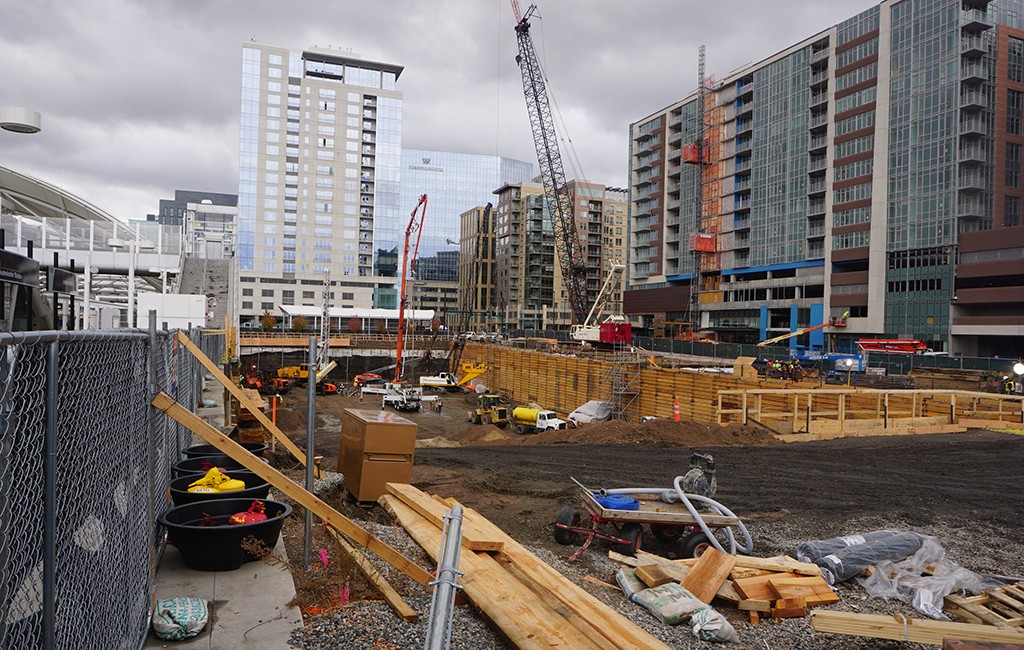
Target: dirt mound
(663,433)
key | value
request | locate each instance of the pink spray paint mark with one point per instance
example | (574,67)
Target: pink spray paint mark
(345,593)
(323,556)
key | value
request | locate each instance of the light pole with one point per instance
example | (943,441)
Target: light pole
(848,362)
(20,120)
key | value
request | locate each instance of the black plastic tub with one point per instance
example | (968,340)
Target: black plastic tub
(255,488)
(191,466)
(195,451)
(219,547)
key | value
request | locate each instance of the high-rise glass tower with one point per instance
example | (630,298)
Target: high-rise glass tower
(320,145)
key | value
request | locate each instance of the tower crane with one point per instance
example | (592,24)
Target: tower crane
(324,365)
(567,240)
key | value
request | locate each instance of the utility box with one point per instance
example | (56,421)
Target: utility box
(743,368)
(376,448)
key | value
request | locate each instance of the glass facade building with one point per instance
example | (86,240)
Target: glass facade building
(842,176)
(320,148)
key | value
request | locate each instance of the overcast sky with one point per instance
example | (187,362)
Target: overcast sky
(140,98)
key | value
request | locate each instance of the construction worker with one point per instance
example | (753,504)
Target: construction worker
(1008,385)
(439,405)
(846,314)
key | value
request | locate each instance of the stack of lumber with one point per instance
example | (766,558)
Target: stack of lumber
(776,587)
(532,604)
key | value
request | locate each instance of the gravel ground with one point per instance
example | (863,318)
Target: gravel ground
(371,624)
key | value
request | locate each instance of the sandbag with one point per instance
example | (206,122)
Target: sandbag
(670,603)
(817,549)
(709,625)
(628,582)
(177,619)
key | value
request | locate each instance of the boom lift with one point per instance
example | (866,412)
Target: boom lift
(567,240)
(833,322)
(595,331)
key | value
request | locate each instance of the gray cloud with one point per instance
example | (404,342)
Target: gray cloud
(140,98)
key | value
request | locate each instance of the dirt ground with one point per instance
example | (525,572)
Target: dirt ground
(520,482)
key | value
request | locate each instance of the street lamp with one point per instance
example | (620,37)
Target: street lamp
(20,120)
(1018,368)
(848,362)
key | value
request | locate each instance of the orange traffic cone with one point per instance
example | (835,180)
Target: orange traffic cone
(675,408)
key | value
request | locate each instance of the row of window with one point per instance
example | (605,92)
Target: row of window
(924,284)
(851,240)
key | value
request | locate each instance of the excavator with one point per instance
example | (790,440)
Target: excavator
(448,381)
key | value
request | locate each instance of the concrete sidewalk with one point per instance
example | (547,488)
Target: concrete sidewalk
(249,606)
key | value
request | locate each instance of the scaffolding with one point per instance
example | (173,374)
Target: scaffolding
(624,381)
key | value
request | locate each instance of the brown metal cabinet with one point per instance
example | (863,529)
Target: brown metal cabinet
(376,448)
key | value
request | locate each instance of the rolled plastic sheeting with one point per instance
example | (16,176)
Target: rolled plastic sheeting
(815,550)
(847,562)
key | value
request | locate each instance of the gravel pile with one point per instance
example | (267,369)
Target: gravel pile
(371,624)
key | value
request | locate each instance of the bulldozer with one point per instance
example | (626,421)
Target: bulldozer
(489,410)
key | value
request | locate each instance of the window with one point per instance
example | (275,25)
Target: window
(266,306)
(1015,61)
(308,295)
(267,293)
(1013,164)
(247,304)
(1011,211)
(1013,111)
(247,292)
(347,296)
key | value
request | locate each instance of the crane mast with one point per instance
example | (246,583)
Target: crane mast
(698,212)
(567,241)
(323,353)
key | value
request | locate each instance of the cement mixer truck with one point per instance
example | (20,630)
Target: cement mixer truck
(530,420)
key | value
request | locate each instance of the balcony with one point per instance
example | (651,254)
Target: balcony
(741,205)
(818,142)
(816,232)
(815,251)
(742,165)
(742,108)
(973,72)
(816,208)
(970,209)
(741,222)
(972,182)
(819,121)
(818,99)
(974,20)
(817,164)
(973,100)
(972,154)
(819,55)
(816,187)
(742,186)
(819,78)
(973,46)
(744,126)
(973,127)
(741,243)
(743,145)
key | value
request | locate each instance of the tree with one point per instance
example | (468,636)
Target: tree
(381,329)
(300,324)
(354,324)
(268,320)
(435,324)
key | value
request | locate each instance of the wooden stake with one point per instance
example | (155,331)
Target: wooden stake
(396,602)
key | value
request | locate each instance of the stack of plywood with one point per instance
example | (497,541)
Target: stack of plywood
(532,604)
(777,587)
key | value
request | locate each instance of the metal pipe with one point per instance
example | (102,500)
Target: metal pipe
(446,586)
(307,546)
(151,460)
(50,500)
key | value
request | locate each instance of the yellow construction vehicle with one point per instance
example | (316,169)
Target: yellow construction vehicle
(489,410)
(448,381)
(300,374)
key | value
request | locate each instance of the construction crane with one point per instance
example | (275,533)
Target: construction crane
(480,252)
(323,353)
(415,226)
(567,240)
(590,330)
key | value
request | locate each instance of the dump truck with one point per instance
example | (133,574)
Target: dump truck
(489,410)
(531,420)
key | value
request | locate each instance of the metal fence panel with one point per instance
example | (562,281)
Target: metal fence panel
(23,408)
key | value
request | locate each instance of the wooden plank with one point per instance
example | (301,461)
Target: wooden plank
(974,610)
(393,599)
(791,603)
(309,501)
(757,588)
(601,583)
(795,612)
(815,590)
(678,571)
(708,574)
(754,605)
(916,630)
(238,393)
(778,564)
(522,615)
(472,538)
(653,575)
(618,630)
(657,512)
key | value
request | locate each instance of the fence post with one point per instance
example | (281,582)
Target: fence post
(50,500)
(151,447)
(307,546)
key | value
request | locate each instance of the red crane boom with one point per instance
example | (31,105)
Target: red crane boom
(415,226)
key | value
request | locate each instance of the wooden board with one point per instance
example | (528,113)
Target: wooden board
(472,537)
(814,590)
(657,512)
(653,575)
(708,574)
(778,564)
(678,571)
(1001,606)
(523,616)
(757,588)
(916,629)
(394,600)
(309,501)
(239,394)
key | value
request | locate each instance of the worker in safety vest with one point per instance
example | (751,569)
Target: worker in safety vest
(1009,386)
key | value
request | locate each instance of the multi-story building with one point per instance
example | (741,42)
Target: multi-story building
(839,177)
(209,230)
(453,183)
(476,269)
(172,211)
(528,289)
(321,138)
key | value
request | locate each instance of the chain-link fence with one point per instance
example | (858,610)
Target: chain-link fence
(85,463)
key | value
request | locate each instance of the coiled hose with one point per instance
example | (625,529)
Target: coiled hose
(670,496)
